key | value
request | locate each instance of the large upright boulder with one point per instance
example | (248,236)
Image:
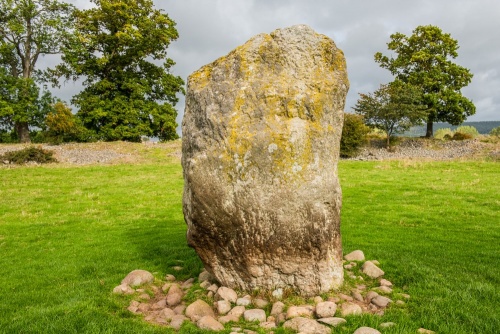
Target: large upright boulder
(260,146)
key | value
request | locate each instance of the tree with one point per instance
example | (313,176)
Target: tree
(354,134)
(61,124)
(28,29)
(394,108)
(423,60)
(116,47)
(21,104)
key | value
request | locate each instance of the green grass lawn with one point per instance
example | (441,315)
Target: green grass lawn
(68,235)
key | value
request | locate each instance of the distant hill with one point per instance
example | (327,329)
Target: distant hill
(482,127)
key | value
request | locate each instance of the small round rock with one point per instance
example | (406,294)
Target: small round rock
(356,255)
(366,330)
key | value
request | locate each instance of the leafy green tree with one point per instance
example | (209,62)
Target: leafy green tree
(22,103)
(63,126)
(394,108)
(28,29)
(354,134)
(116,47)
(424,60)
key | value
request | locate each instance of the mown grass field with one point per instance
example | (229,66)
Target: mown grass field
(68,235)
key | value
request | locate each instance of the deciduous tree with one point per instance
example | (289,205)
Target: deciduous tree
(22,104)
(394,108)
(28,29)
(424,61)
(117,48)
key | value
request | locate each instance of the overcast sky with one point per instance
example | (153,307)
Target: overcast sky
(209,29)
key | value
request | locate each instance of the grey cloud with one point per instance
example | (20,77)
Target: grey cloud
(210,29)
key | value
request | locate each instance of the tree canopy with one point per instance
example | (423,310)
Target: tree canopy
(394,108)
(21,103)
(28,29)
(423,60)
(117,47)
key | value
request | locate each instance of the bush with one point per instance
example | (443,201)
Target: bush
(444,133)
(495,131)
(461,136)
(7,137)
(353,135)
(394,141)
(469,130)
(27,154)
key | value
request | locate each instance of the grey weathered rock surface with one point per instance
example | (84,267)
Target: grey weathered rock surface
(223,306)
(261,135)
(209,323)
(199,309)
(237,311)
(299,311)
(228,318)
(370,269)
(306,326)
(177,321)
(356,255)
(366,330)
(138,277)
(384,282)
(333,321)
(384,289)
(226,294)
(326,309)
(255,315)
(123,289)
(277,308)
(350,309)
(381,301)
(260,303)
(387,324)
(244,301)
(370,295)
(174,295)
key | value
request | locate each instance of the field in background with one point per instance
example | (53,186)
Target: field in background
(482,127)
(69,234)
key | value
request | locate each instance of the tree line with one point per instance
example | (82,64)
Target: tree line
(118,50)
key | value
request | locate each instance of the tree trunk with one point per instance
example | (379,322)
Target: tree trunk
(23,132)
(429,133)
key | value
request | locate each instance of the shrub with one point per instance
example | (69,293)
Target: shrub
(495,131)
(469,130)
(443,133)
(7,137)
(353,135)
(394,141)
(461,136)
(27,154)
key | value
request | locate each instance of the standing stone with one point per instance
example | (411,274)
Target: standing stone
(260,147)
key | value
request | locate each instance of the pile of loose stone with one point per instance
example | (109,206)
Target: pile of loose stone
(162,302)
(420,149)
